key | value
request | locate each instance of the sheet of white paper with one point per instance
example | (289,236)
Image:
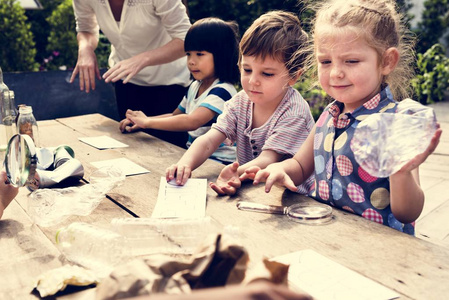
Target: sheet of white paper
(102,142)
(187,201)
(325,279)
(128,167)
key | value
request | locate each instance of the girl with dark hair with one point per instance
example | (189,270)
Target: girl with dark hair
(211,47)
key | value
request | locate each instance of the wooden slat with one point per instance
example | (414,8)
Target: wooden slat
(52,134)
(443,147)
(434,177)
(147,151)
(25,254)
(29,250)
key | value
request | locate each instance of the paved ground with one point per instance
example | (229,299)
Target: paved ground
(433,223)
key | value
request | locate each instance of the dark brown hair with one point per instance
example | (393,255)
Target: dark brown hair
(277,34)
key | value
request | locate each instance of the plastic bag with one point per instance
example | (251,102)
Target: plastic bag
(384,142)
(48,207)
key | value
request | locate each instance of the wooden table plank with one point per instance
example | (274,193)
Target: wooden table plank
(415,268)
(443,146)
(26,253)
(147,151)
(52,134)
(29,250)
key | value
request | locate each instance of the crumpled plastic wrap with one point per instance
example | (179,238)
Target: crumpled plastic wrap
(384,142)
(48,207)
(55,280)
(220,260)
(55,165)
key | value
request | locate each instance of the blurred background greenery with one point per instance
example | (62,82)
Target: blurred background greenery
(45,39)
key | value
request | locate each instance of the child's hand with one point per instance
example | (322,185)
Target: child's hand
(180,172)
(250,173)
(228,181)
(420,158)
(136,120)
(7,192)
(272,174)
(126,125)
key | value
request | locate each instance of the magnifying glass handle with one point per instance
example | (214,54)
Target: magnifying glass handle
(262,208)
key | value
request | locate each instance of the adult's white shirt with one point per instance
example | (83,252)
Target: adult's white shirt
(144,25)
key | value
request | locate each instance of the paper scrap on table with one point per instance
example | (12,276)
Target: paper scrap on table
(102,142)
(125,165)
(323,278)
(187,201)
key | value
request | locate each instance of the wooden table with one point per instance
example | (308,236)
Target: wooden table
(414,268)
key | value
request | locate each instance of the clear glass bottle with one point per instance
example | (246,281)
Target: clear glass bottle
(92,247)
(4,90)
(18,110)
(26,124)
(9,115)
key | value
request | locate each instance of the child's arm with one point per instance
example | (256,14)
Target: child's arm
(200,150)
(7,192)
(229,179)
(177,121)
(407,197)
(291,172)
(298,169)
(126,125)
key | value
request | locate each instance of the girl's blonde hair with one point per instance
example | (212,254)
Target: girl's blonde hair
(378,22)
(277,34)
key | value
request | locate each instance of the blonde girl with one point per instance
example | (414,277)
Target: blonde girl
(363,58)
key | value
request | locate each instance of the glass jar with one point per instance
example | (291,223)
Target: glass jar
(26,124)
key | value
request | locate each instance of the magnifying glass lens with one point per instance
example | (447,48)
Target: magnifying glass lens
(20,160)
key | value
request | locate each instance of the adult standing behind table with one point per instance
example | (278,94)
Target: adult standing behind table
(147,50)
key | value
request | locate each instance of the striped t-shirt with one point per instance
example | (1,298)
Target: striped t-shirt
(284,132)
(214,99)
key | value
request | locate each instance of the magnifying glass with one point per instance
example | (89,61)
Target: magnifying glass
(20,160)
(301,213)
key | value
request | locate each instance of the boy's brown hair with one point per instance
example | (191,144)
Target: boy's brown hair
(277,34)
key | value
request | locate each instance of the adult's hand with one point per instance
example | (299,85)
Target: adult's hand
(125,69)
(87,68)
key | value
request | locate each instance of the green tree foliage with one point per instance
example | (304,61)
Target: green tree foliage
(40,27)
(404,7)
(244,12)
(434,24)
(17,46)
(432,81)
(62,42)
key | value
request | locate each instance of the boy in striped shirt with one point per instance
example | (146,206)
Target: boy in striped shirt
(269,120)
